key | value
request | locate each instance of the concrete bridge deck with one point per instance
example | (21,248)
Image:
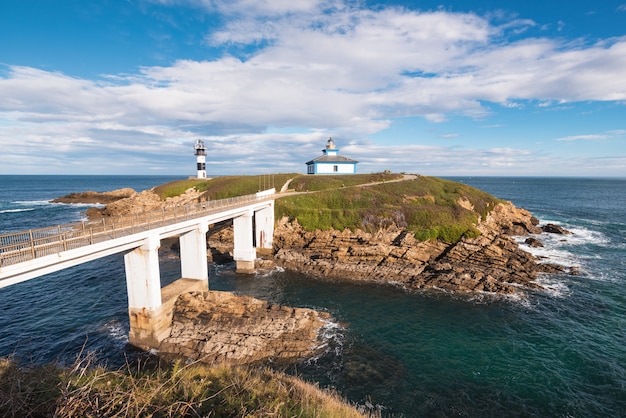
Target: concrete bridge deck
(25,255)
(32,253)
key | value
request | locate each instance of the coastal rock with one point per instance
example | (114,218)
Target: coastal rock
(508,219)
(220,327)
(144,201)
(491,262)
(92,197)
(147,201)
(555,229)
(124,202)
(533,242)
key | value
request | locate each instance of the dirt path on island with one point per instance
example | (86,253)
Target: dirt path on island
(284,191)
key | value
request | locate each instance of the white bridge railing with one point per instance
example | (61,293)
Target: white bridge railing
(22,246)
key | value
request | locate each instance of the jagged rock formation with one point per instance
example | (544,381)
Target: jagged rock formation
(220,327)
(491,262)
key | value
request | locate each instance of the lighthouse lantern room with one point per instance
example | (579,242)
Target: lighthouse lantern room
(200,158)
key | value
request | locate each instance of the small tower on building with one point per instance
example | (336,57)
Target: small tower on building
(200,158)
(331,162)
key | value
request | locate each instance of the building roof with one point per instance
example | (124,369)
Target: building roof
(332,159)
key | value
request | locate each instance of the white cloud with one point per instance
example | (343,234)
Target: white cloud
(594,137)
(319,66)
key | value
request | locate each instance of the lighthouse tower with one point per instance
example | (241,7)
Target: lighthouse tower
(331,149)
(200,158)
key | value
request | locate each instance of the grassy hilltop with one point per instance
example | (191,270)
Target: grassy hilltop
(431,208)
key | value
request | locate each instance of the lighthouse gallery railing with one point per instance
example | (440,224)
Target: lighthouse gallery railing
(18,247)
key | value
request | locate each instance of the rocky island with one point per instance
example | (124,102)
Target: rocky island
(408,230)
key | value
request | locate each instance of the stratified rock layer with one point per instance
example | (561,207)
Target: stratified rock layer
(220,327)
(491,262)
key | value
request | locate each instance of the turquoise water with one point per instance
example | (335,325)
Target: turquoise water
(559,352)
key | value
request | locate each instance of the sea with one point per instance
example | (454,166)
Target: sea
(557,352)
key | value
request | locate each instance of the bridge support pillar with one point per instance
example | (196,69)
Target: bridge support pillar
(244,252)
(264,226)
(193,258)
(143,281)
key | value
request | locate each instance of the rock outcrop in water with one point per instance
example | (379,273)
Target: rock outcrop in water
(220,327)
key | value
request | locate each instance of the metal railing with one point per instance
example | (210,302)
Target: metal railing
(22,246)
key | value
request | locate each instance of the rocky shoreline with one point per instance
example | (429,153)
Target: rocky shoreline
(491,262)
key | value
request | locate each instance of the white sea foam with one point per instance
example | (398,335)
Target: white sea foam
(268,273)
(117,331)
(32,202)
(332,337)
(550,252)
(557,247)
(16,210)
(81,205)
(553,286)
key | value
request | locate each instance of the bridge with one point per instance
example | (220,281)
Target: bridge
(26,255)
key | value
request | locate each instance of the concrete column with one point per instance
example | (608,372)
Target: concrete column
(148,327)
(193,259)
(264,226)
(143,277)
(244,252)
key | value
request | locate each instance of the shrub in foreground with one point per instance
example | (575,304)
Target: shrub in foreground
(163,390)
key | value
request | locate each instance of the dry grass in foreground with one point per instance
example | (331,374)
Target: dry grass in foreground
(172,390)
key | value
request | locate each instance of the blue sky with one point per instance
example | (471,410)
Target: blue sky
(472,87)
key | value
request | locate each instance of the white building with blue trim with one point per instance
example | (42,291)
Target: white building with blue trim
(331,162)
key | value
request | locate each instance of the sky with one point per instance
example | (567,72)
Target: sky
(461,88)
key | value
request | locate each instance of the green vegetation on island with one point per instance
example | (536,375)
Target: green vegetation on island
(430,207)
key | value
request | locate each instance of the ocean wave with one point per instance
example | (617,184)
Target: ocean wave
(16,210)
(49,203)
(332,336)
(584,236)
(551,252)
(269,272)
(80,205)
(31,202)
(553,286)
(562,249)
